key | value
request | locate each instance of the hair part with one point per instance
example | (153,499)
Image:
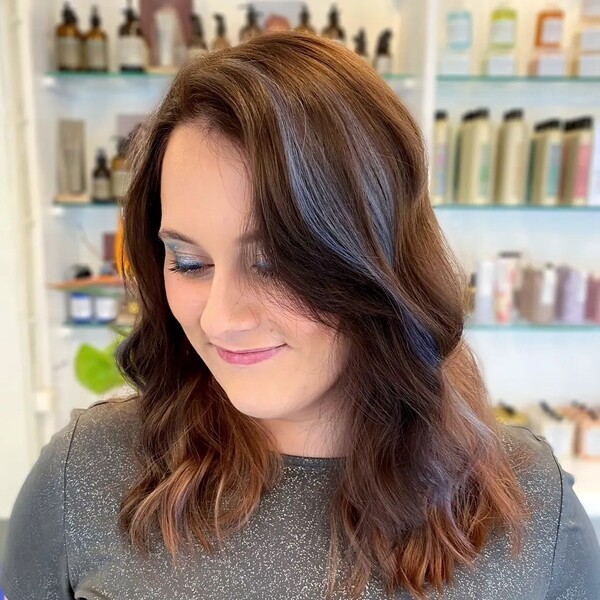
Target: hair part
(339,187)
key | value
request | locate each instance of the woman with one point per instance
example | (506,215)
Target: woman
(279,203)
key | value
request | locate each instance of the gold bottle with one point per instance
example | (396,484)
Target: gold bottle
(251,29)
(101,180)
(333,31)
(221,41)
(197,44)
(68,42)
(96,45)
(121,173)
(305,25)
(132,51)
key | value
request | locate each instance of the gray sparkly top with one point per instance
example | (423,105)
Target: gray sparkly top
(64,542)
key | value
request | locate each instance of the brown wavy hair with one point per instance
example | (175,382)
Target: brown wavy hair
(340,201)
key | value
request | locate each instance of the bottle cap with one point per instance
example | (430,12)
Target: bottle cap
(544,125)
(441,115)
(383,44)
(220,24)
(515,113)
(360,40)
(304,15)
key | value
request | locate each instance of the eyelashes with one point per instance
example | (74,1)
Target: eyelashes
(195,270)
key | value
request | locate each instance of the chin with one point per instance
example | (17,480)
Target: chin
(259,409)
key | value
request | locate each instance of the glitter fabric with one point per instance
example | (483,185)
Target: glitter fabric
(63,540)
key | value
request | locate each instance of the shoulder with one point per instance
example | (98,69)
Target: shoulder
(536,468)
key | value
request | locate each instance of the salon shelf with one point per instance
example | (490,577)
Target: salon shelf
(562,209)
(525,80)
(58,206)
(89,284)
(530,327)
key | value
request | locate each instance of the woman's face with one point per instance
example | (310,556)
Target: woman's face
(205,195)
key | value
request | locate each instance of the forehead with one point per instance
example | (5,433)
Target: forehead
(205,186)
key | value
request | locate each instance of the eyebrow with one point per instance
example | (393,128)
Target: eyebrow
(171,234)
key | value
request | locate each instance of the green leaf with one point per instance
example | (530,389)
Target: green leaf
(96,369)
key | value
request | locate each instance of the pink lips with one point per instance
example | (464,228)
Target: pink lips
(248,358)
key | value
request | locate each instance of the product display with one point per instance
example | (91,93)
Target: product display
(441,159)
(251,29)
(101,180)
(197,44)
(383,56)
(71,158)
(69,56)
(474,158)
(511,159)
(507,292)
(305,26)
(132,49)
(555,165)
(333,30)
(360,41)
(220,40)
(96,45)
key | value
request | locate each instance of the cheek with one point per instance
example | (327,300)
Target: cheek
(185,300)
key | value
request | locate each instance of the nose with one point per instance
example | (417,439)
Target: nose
(230,308)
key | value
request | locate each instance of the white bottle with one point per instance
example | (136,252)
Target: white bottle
(545,163)
(440,172)
(511,158)
(475,170)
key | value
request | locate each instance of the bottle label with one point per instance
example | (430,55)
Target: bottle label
(441,170)
(459,31)
(548,295)
(131,52)
(591,8)
(120,183)
(582,288)
(96,55)
(503,32)
(106,308)
(80,307)
(101,189)
(552,31)
(484,172)
(582,179)
(554,165)
(69,53)
(531,173)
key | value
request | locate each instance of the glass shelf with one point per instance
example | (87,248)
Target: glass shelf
(87,204)
(554,327)
(518,208)
(516,79)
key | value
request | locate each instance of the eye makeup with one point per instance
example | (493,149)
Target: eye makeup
(185,261)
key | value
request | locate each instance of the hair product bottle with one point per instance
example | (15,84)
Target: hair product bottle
(383,56)
(305,25)
(441,159)
(511,159)
(333,30)
(484,297)
(132,52)
(543,309)
(101,180)
(549,28)
(545,163)
(504,290)
(197,44)
(475,158)
(577,161)
(121,174)
(360,41)
(221,40)
(503,32)
(572,295)
(68,42)
(251,29)
(459,29)
(96,45)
